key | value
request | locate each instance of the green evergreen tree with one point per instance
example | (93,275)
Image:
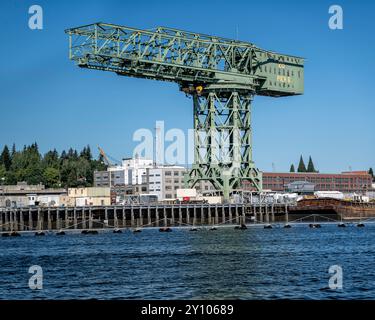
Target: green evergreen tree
(51,177)
(371,172)
(63,155)
(3,174)
(301,165)
(70,169)
(51,159)
(292,169)
(310,166)
(86,153)
(13,150)
(5,158)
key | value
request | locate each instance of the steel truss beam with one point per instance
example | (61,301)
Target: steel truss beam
(184,57)
(223,140)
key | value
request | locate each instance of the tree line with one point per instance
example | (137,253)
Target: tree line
(302,167)
(311,168)
(68,169)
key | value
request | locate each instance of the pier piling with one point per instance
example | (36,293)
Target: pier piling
(180,215)
(123,218)
(49,221)
(132,224)
(194,215)
(66,216)
(187,216)
(31,226)
(91,219)
(75,219)
(115,218)
(106,217)
(216,214)
(267,214)
(140,223)
(165,217)
(286,214)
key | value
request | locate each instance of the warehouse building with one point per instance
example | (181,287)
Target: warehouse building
(346,182)
(25,195)
(94,196)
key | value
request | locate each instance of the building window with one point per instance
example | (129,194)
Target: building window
(168,173)
(176,173)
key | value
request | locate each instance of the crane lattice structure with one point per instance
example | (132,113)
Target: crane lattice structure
(221,75)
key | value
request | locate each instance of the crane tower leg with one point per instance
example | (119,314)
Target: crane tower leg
(223,141)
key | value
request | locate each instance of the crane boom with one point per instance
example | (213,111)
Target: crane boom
(221,75)
(103,154)
(186,58)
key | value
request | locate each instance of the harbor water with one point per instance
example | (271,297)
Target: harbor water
(255,263)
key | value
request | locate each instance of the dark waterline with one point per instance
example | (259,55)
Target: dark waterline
(223,264)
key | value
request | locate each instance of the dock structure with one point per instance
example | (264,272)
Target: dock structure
(135,216)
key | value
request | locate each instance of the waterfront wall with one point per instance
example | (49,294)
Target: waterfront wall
(24,219)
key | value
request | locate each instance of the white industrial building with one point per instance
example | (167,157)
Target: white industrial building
(135,170)
(164,181)
(132,171)
(160,180)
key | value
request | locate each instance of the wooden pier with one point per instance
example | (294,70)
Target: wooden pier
(137,216)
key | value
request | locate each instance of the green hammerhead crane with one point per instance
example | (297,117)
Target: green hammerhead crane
(221,75)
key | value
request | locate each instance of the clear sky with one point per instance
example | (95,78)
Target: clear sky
(45,98)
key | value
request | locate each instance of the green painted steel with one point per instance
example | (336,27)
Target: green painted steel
(222,76)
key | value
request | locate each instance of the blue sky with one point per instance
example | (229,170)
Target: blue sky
(45,98)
